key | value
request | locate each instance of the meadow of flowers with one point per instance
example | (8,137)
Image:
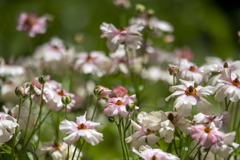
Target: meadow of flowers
(58,103)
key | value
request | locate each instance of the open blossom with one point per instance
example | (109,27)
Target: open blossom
(81,128)
(58,151)
(228,86)
(117,105)
(190,96)
(131,36)
(220,121)
(190,72)
(7,127)
(208,135)
(32,24)
(94,62)
(147,153)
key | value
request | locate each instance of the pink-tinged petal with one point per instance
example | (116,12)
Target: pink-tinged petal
(236,96)
(91,125)
(229,138)
(91,136)
(111,111)
(204,91)
(226,74)
(177,88)
(152,139)
(81,119)
(179,101)
(190,100)
(174,94)
(68,127)
(184,110)
(187,83)
(204,106)
(122,111)
(206,140)
(136,126)
(71,138)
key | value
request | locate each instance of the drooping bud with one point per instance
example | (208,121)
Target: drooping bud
(225,65)
(102,92)
(150,12)
(130,107)
(42,79)
(111,119)
(19,91)
(140,8)
(66,100)
(173,70)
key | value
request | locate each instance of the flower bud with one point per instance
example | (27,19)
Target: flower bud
(102,92)
(42,79)
(150,28)
(111,119)
(66,100)
(140,8)
(150,12)
(19,91)
(173,70)
(225,65)
(130,107)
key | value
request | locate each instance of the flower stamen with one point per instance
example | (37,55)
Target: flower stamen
(236,82)
(207,129)
(192,69)
(119,102)
(190,91)
(149,131)
(82,126)
(154,158)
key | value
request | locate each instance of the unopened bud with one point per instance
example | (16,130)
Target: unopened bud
(111,119)
(225,65)
(42,79)
(173,70)
(150,28)
(130,107)
(19,91)
(102,92)
(150,12)
(66,100)
(140,8)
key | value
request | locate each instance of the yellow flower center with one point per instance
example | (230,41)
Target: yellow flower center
(207,129)
(190,91)
(57,145)
(149,131)
(192,69)
(154,158)
(82,126)
(119,102)
(236,82)
(61,93)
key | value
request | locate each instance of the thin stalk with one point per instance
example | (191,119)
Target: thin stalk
(197,152)
(192,150)
(37,127)
(29,114)
(174,82)
(79,142)
(95,109)
(124,135)
(119,131)
(65,111)
(235,116)
(227,104)
(174,143)
(206,154)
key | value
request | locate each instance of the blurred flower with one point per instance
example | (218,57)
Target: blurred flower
(220,121)
(81,128)
(117,105)
(208,135)
(173,70)
(122,3)
(184,53)
(58,151)
(102,92)
(79,38)
(95,63)
(7,127)
(32,24)
(147,153)
(190,96)
(155,73)
(228,86)
(131,36)
(118,91)
(11,70)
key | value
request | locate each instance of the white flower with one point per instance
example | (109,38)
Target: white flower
(131,36)
(190,96)
(228,86)
(10,69)
(167,131)
(82,128)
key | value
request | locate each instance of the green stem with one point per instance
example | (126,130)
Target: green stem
(37,127)
(174,82)
(197,152)
(124,136)
(29,114)
(192,150)
(174,143)
(206,154)
(79,142)
(95,109)
(227,104)
(120,134)
(65,111)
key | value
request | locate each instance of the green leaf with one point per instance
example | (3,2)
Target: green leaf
(33,154)
(30,156)
(18,138)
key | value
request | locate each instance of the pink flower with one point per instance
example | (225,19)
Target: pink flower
(82,128)
(122,3)
(190,96)
(228,86)
(32,24)
(147,153)
(208,135)
(116,106)
(102,92)
(184,53)
(118,91)
(131,36)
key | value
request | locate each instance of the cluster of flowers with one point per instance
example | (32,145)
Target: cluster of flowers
(134,55)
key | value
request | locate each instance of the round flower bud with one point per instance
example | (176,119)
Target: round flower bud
(66,100)
(102,92)
(19,91)
(150,12)
(111,119)
(42,79)
(130,107)
(225,65)
(173,70)
(140,8)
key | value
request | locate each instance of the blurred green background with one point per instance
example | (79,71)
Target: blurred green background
(206,27)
